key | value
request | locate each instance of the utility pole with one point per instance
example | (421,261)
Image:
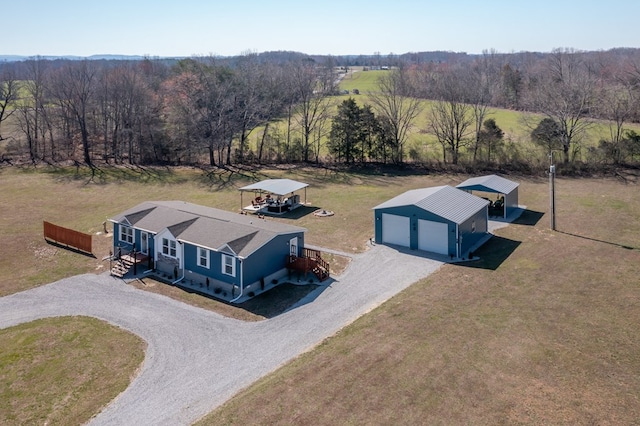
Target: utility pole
(552,191)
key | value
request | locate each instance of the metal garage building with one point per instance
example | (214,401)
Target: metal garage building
(497,185)
(441,219)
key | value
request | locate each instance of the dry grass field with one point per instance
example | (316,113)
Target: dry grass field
(542,330)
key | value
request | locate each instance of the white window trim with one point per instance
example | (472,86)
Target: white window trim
(207,257)
(224,265)
(128,236)
(169,247)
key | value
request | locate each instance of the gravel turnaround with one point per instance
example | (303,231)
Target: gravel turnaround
(196,359)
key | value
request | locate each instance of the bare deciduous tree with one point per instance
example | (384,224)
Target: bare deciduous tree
(313,86)
(8,96)
(73,87)
(395,103)
(565,94)
(450,118)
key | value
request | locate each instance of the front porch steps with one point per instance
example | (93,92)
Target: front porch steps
(121,267)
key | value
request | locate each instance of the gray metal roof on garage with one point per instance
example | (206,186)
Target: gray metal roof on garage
(445,201)
(276,186)
(489,183)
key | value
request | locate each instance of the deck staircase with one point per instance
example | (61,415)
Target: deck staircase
(310,261)
(125,262)
(121,266)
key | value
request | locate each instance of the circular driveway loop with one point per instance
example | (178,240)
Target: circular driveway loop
(196,359)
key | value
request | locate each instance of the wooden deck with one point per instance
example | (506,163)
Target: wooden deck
(310,261)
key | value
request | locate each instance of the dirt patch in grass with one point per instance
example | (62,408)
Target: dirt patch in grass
(63,370)
(542,330)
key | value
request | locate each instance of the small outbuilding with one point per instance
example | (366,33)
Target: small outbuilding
(506,190)
(443,220)
(274,196)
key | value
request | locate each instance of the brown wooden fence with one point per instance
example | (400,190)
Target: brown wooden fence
(67,237)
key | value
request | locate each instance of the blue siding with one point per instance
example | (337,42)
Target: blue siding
(470,237)
(267,260)
(271,258)
(215,265)
(415,213)
(117,244)
(126,247)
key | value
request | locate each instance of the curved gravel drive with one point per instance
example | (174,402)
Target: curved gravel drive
(197,359)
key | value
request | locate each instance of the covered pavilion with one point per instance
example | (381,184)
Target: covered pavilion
(274,196)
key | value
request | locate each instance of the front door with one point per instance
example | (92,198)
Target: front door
(144,243)
(293,246)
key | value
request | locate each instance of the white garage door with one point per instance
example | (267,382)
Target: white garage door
(395,230)
(433,236)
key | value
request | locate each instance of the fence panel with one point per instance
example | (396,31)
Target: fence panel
(67,237)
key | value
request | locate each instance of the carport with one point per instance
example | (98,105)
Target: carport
(495,184)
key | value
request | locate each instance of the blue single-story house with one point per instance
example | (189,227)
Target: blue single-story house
(442,220)
(186,243)
(505,188)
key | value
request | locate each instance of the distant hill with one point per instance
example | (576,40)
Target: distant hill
(16,58)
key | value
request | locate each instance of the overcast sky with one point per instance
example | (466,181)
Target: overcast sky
(232,27)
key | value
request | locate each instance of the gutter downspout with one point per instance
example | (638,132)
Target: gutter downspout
(241,281)
(181,261)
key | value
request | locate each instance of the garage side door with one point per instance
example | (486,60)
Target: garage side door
(433,236)
(395,230)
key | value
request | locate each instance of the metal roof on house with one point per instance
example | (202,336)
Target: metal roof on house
(445,201)
(489,183)
(276,186)
(205,226)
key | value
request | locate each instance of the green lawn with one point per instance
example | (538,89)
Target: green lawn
(518,145)
(62,371)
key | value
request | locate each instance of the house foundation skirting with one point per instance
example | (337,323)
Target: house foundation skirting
(225,291)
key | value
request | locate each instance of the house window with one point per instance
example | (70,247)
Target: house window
(169,247)
(126,234)
(473,226)
(203,257)
(228,265)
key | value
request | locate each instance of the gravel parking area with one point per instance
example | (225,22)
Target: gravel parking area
(197,359)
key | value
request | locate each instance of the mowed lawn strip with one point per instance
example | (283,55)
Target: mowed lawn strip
(542,330)
(63,371)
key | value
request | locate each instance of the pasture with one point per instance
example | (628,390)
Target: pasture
(541,330)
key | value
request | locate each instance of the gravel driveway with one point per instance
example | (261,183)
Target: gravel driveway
(197,359)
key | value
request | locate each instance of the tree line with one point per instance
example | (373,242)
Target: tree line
(199,111)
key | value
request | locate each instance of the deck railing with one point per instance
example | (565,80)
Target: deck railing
(310,261)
